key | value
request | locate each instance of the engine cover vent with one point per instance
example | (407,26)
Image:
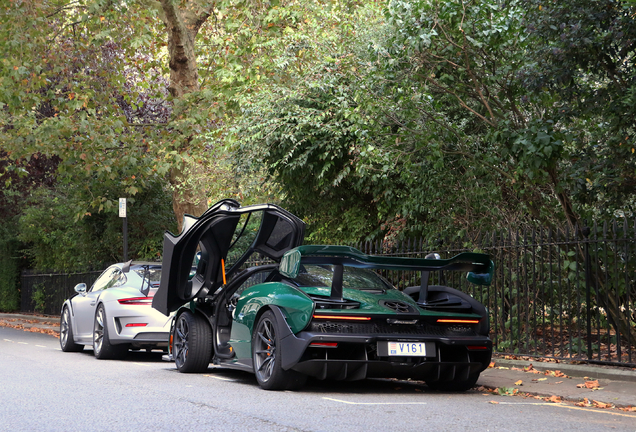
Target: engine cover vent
(398,306)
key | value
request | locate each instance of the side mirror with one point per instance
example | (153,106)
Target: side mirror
(80,288)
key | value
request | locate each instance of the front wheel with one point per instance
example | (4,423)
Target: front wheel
(66,333)
(102,348)
(266,355)
(192,343)
(454,386)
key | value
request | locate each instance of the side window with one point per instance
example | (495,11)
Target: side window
(254,279)
(118,280)
(108,279)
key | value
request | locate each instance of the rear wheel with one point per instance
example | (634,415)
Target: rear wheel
(102,348)
(66,333)
(266,354)
(192,343)
(454,386)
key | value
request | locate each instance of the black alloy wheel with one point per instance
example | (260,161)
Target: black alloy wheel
(266,355)
(192,343)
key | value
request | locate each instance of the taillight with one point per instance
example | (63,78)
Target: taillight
(343,317)
(324,344)
(136,324)
(476,347)
(136,301)
(457,321)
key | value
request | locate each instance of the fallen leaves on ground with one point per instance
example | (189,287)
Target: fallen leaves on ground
(602,405)
(592,385)
(554,398)
(507,391)
(556,373)
(628,409)
(11,323)
(584,403)
(518,383)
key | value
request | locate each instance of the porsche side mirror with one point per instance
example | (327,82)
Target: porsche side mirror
(80,288)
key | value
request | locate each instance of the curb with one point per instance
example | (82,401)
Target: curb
(578,371)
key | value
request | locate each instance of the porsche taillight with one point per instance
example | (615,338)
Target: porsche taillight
(136,301)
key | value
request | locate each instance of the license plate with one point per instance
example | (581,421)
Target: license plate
(417,349)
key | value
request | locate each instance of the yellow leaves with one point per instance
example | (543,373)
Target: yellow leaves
(519,383)
(491,365)
(556,373)
(101,18)
(554,399)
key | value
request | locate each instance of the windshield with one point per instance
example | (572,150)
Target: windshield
(313,275)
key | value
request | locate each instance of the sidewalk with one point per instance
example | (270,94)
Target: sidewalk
(587,385)
(49,324)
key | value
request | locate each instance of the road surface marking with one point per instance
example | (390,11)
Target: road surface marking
(219,378)
(23,343)
(597,410)
(140,364)
(375,403)
(8,340)
(40,346)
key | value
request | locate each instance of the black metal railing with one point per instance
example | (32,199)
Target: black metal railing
(45,293)
(566,294)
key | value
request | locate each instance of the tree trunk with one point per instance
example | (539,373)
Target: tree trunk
(183,21)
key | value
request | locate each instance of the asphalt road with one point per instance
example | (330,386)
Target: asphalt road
(45,389)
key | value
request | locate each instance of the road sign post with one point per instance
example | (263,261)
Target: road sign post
(122,214)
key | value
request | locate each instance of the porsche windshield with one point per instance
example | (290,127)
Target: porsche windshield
(313,275)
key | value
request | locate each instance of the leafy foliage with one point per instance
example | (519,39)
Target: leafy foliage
(94,239)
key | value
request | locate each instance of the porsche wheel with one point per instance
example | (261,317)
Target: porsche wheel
(102,348)
(454,386)
(266,355)
(192,343)
(66,333)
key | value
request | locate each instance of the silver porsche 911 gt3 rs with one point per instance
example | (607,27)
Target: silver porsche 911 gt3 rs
(115,314)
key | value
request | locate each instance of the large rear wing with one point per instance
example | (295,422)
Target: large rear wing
(479,266)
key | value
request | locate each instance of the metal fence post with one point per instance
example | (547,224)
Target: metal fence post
(588,295)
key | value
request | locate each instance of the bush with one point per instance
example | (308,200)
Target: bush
(9,275)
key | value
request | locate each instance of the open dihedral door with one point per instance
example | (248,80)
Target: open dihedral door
(226,229)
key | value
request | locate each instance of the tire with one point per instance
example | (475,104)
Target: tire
(192,343)
(66,333)
(454,386)
(266,356)
(102,348)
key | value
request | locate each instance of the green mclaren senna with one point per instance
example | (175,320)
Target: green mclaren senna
(314,311)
